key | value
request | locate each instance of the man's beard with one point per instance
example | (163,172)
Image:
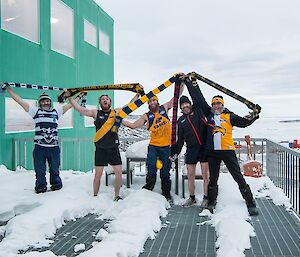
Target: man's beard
(105,107)
(154,108)
(186,110)
(45,107)
(218,111)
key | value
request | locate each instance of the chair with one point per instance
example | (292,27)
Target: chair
(184,176)
(109,170)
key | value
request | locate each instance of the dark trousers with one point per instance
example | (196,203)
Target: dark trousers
(42,154)
(162,153)
(231,162)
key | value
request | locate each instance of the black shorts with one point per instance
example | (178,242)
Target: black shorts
(105,156)
(195,154)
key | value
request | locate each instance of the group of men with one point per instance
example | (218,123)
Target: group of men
(205,129)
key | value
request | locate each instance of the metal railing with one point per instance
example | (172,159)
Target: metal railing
(282,164)
(75,153)
(283,168)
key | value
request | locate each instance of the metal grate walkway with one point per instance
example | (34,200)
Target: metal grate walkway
(80,231)
(182,236)
(277,232)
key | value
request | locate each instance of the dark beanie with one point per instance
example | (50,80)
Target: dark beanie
(184,99)
(44,96)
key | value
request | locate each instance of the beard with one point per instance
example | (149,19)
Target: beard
(186,110)
(154,108)
(105,107)
(45,107)
(218,111)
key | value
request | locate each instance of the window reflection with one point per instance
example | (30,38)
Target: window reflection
(62,28)
(17,120)
(104,42)
(21,18)
(90,33)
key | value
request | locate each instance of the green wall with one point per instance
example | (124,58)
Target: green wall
(27,62)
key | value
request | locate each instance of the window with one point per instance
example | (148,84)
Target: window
(90,33)
(89,121)
(62,28)
(17,120)
(66,120)
(21,18)
(104,42)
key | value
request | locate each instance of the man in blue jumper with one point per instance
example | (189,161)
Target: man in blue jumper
(45,139)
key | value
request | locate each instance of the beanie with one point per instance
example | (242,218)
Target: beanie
(184,99)
(217,99)
(44,96)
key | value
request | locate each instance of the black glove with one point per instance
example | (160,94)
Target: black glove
(3,86)
(252,116)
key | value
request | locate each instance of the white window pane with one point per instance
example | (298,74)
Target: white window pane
(89,121)
(66,120)
(62,28)
(104,42)
(16,119)
(90,33)
(22,18)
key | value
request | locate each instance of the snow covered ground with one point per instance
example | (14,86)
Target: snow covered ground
(33,219)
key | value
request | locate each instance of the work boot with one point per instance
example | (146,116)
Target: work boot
(150,182)
(250,202)
(189,202)
(40,190)
(212,197)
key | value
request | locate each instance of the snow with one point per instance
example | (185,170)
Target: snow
(34,218)
(79,247)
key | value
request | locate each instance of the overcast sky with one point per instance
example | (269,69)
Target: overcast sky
(251,47)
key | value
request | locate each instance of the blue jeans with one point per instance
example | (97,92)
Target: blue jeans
(162,153)
(42,154)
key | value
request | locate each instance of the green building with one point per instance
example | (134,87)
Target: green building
(62,43)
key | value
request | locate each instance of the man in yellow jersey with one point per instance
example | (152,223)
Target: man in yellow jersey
(158,123)
(220,147)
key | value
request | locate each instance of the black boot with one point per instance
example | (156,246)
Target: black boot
(250,202)
(212,197)
(166,189)
(150,182)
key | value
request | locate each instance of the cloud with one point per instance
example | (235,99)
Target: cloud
(251,48)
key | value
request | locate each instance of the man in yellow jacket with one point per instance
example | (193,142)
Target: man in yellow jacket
(220,147)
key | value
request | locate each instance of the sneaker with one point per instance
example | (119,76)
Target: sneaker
(211,206)
(117,198)
(204,203)
(189,202)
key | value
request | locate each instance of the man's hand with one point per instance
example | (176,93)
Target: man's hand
(3,86)
(252,116)
(181,76)
(173,158)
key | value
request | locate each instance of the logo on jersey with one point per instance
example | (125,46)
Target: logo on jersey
(218,129)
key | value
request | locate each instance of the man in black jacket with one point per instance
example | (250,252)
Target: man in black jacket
(220,147)
(192,131)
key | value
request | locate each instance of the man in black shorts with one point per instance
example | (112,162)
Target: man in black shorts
(192,130)
(106,142)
